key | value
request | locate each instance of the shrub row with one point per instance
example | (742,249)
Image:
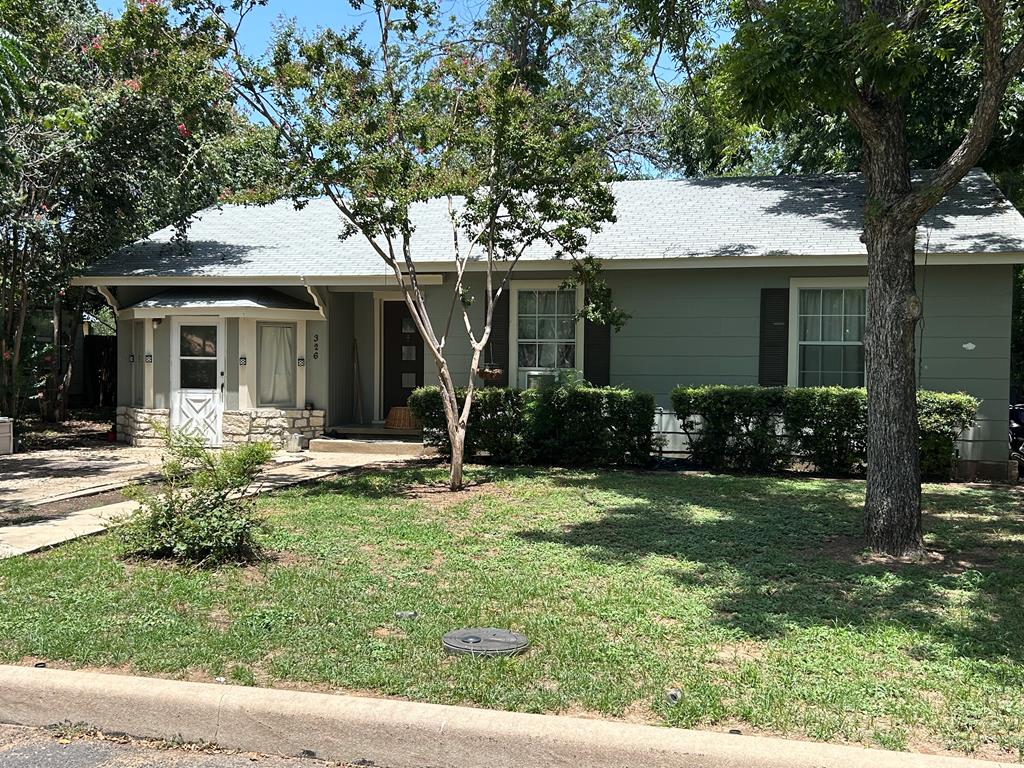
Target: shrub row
(564,425)
(762,429)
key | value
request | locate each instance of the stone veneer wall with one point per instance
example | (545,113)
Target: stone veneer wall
(140,426)
(272,425)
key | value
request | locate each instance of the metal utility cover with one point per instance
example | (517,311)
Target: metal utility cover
(485,641)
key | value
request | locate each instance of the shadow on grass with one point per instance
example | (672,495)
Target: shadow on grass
(405,480)
(780,553)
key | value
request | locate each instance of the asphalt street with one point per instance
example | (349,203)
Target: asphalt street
(70,748)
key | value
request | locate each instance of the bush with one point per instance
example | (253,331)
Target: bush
(828,427)
(569,424)
(737,428)
(200,512)
(942,418)
(761,429)
(495,423)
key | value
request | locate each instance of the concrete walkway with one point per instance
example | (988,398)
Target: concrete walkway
(42,477)
(288,469)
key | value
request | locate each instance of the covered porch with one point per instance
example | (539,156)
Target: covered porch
(230,364)
(285,363)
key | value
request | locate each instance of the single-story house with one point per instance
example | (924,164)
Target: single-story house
(265,322)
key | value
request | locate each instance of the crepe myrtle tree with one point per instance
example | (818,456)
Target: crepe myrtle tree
(873,63)
(381,127)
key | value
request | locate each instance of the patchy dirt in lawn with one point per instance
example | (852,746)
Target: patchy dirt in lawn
(440,499)
(740,652)
(82,429)
(851,549)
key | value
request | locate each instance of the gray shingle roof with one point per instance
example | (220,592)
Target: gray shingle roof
(660,219)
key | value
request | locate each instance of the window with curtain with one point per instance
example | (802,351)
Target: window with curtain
(831,340)
(546,332)
(275,364)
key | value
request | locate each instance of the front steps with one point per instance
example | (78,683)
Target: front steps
(375,447)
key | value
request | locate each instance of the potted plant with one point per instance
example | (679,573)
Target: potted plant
(490,373)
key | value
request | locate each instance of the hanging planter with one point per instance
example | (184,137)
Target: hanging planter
(490,374)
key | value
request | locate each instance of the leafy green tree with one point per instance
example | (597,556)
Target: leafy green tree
(117,135)
(877,69)
(592,51)
(13,67)
(486,119)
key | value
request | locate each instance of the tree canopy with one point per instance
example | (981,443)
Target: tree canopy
(772,97)
(116,136)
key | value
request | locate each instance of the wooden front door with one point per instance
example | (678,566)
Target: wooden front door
(401,356)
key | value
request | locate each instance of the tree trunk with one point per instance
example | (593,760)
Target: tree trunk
(892,507)
(456,427)
(458,440)
(892,510)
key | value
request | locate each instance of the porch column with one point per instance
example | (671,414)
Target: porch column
(300,375)
(148,363)
(247,372)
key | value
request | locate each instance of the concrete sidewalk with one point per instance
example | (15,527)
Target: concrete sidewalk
(23,538)
(402,734)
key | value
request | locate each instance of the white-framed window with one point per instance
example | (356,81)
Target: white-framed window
(276,364)
(546,335)
(827,321)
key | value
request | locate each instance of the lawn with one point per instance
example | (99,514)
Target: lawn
(752,596)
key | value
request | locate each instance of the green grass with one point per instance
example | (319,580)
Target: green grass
(751,595)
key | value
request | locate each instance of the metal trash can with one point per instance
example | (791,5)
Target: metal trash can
(6,435)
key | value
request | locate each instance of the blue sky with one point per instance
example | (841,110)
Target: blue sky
(259,25)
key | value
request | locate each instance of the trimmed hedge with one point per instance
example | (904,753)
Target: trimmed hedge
(564,425)
(761,429)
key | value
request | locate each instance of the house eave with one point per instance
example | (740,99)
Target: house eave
(432,272)
(303,281)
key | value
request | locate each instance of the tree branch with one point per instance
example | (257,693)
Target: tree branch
(999,72)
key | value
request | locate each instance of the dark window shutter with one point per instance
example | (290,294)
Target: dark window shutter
(597,353)
(496,353)
(774,347)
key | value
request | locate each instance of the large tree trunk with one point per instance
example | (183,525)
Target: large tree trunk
(892,507)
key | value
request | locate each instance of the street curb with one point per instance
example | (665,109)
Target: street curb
(400,734)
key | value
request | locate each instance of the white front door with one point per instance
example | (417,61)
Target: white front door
(197,377)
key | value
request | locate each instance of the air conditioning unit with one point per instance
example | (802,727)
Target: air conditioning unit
(6,435)
(540,379)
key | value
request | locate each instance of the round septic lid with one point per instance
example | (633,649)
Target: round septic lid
(485,641)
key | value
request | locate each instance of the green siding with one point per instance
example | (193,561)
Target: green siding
(339,318)
(161,365)
(231,363)
(316,366)
(364,334)
(970,306)
(701,327)
(696,326)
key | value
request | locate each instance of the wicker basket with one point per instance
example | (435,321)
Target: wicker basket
(400,417)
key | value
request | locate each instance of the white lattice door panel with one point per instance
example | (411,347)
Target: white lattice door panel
(197,378)
(199,414)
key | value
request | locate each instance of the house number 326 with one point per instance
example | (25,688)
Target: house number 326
(316,346)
